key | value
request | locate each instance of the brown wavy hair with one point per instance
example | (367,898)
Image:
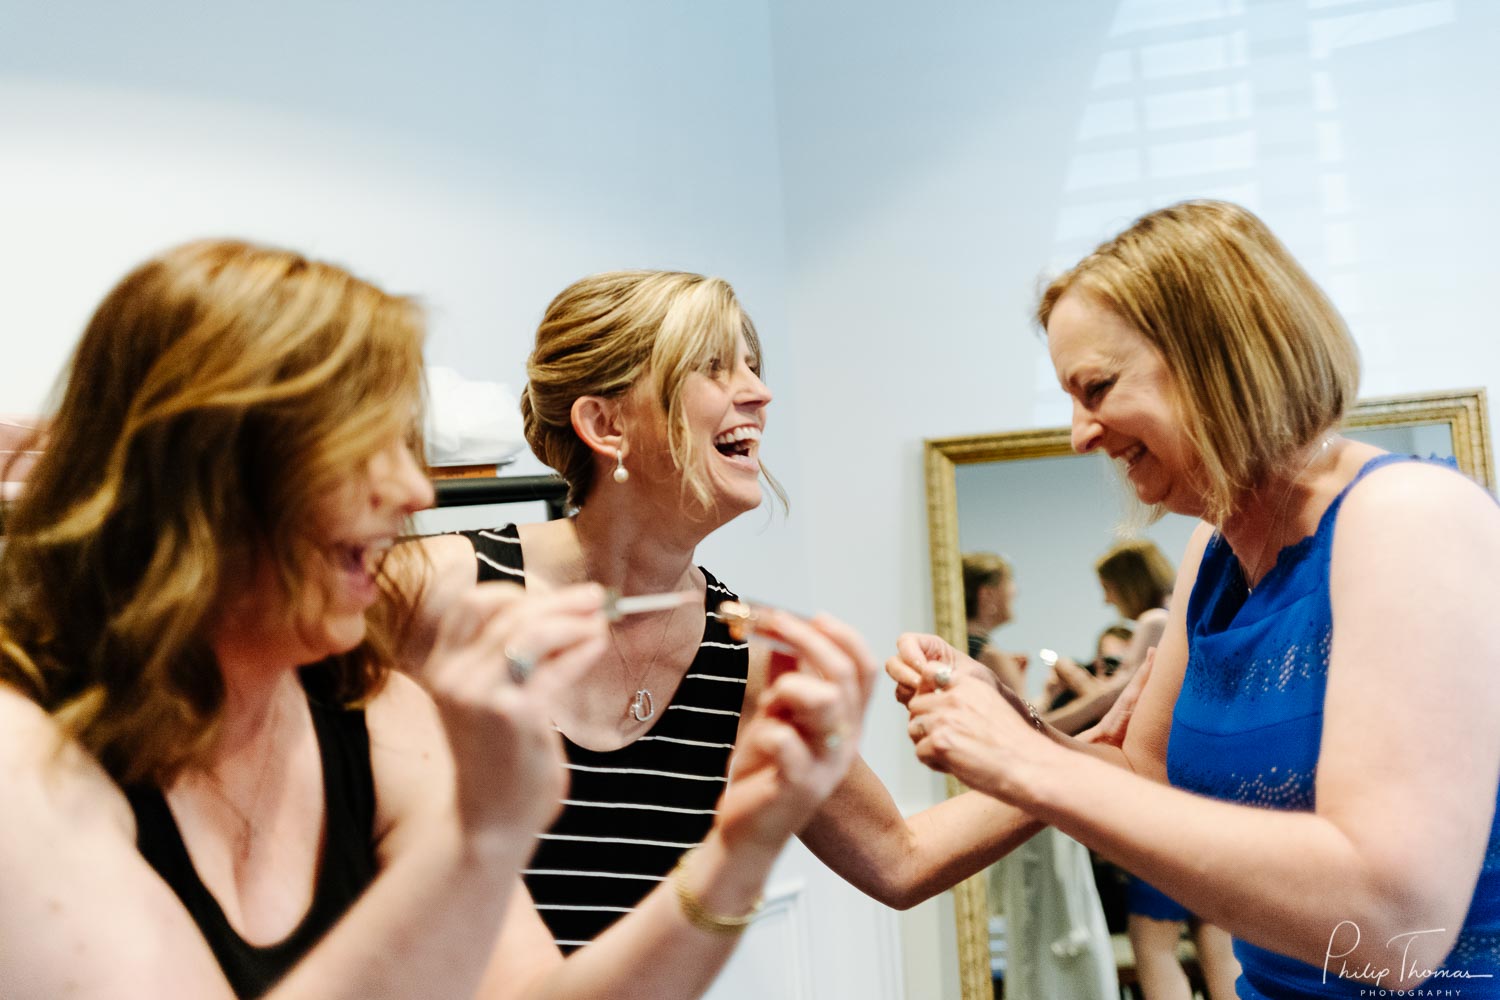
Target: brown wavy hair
(218,391)
(1261,362)
(602,334)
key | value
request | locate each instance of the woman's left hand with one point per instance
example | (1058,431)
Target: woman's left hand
(981,736)
(804,735)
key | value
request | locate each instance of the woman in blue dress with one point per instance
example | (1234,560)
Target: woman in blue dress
(1314,762)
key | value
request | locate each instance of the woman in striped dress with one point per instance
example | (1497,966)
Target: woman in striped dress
(648,735)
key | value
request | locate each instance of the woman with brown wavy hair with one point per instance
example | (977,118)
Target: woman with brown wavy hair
(187,813)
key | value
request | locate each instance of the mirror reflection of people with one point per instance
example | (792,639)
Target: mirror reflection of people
(1283,775)
(1136,579)
(1064,684)
(645,393)
(989,592)
(186,813)
(1056,940)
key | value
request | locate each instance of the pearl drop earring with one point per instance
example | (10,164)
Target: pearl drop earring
(622,474)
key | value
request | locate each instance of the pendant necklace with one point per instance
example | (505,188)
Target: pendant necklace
(248,826)
(642,705)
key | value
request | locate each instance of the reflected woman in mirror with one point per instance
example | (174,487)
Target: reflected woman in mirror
(1056,939)
(186,813)
(989,593)
(1314,762)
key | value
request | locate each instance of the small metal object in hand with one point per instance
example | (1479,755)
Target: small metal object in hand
(519,665)
(1048,657)
(943,676)
(617,607)
(737,617)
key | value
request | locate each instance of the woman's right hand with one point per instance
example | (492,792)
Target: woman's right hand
(507,755)
(916,650)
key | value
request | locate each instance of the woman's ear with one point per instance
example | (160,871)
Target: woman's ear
(599,424)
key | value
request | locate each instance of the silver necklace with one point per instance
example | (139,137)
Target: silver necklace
(248,827)
(1276,522)
(642,707)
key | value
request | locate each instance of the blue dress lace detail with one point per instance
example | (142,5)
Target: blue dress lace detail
(1247,728)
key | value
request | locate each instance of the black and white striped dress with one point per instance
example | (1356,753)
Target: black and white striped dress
(631,813)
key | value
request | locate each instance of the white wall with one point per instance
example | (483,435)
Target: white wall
(883,183)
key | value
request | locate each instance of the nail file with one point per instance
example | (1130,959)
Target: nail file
(617,607)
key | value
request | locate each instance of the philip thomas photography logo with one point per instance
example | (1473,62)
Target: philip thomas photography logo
(1443,982)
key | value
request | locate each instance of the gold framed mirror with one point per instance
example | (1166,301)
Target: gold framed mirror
(1026,494)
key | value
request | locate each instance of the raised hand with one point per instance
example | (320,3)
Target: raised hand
(979,734)
(500,656)
(919,654)
(805,732)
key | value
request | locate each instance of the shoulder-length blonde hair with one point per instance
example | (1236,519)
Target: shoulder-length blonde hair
(218,391)
(1139,573)
(1261,361)
(602,335)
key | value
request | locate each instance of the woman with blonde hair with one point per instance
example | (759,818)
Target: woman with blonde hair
(1205,361)
(188,813)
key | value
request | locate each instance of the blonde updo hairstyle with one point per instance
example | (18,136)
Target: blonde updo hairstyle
(602,336)
(1261,362)
(219,391)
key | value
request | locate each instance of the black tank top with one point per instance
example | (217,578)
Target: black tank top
(631,813)
(345,867)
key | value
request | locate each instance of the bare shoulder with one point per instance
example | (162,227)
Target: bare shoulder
(1439,496)
(1414,534)
(1192,554)
(450,567)
(42,767)
(409,757)
(95,920)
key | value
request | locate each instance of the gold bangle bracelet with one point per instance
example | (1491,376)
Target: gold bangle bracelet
(699,915)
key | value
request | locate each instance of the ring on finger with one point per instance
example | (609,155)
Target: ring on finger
(943,676)
(834,739)
(519,665)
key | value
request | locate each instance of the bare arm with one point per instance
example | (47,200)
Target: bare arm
(1004,666)
(1399,831)
(900,861)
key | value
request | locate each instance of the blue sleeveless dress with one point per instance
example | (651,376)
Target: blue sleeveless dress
(1247,727)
